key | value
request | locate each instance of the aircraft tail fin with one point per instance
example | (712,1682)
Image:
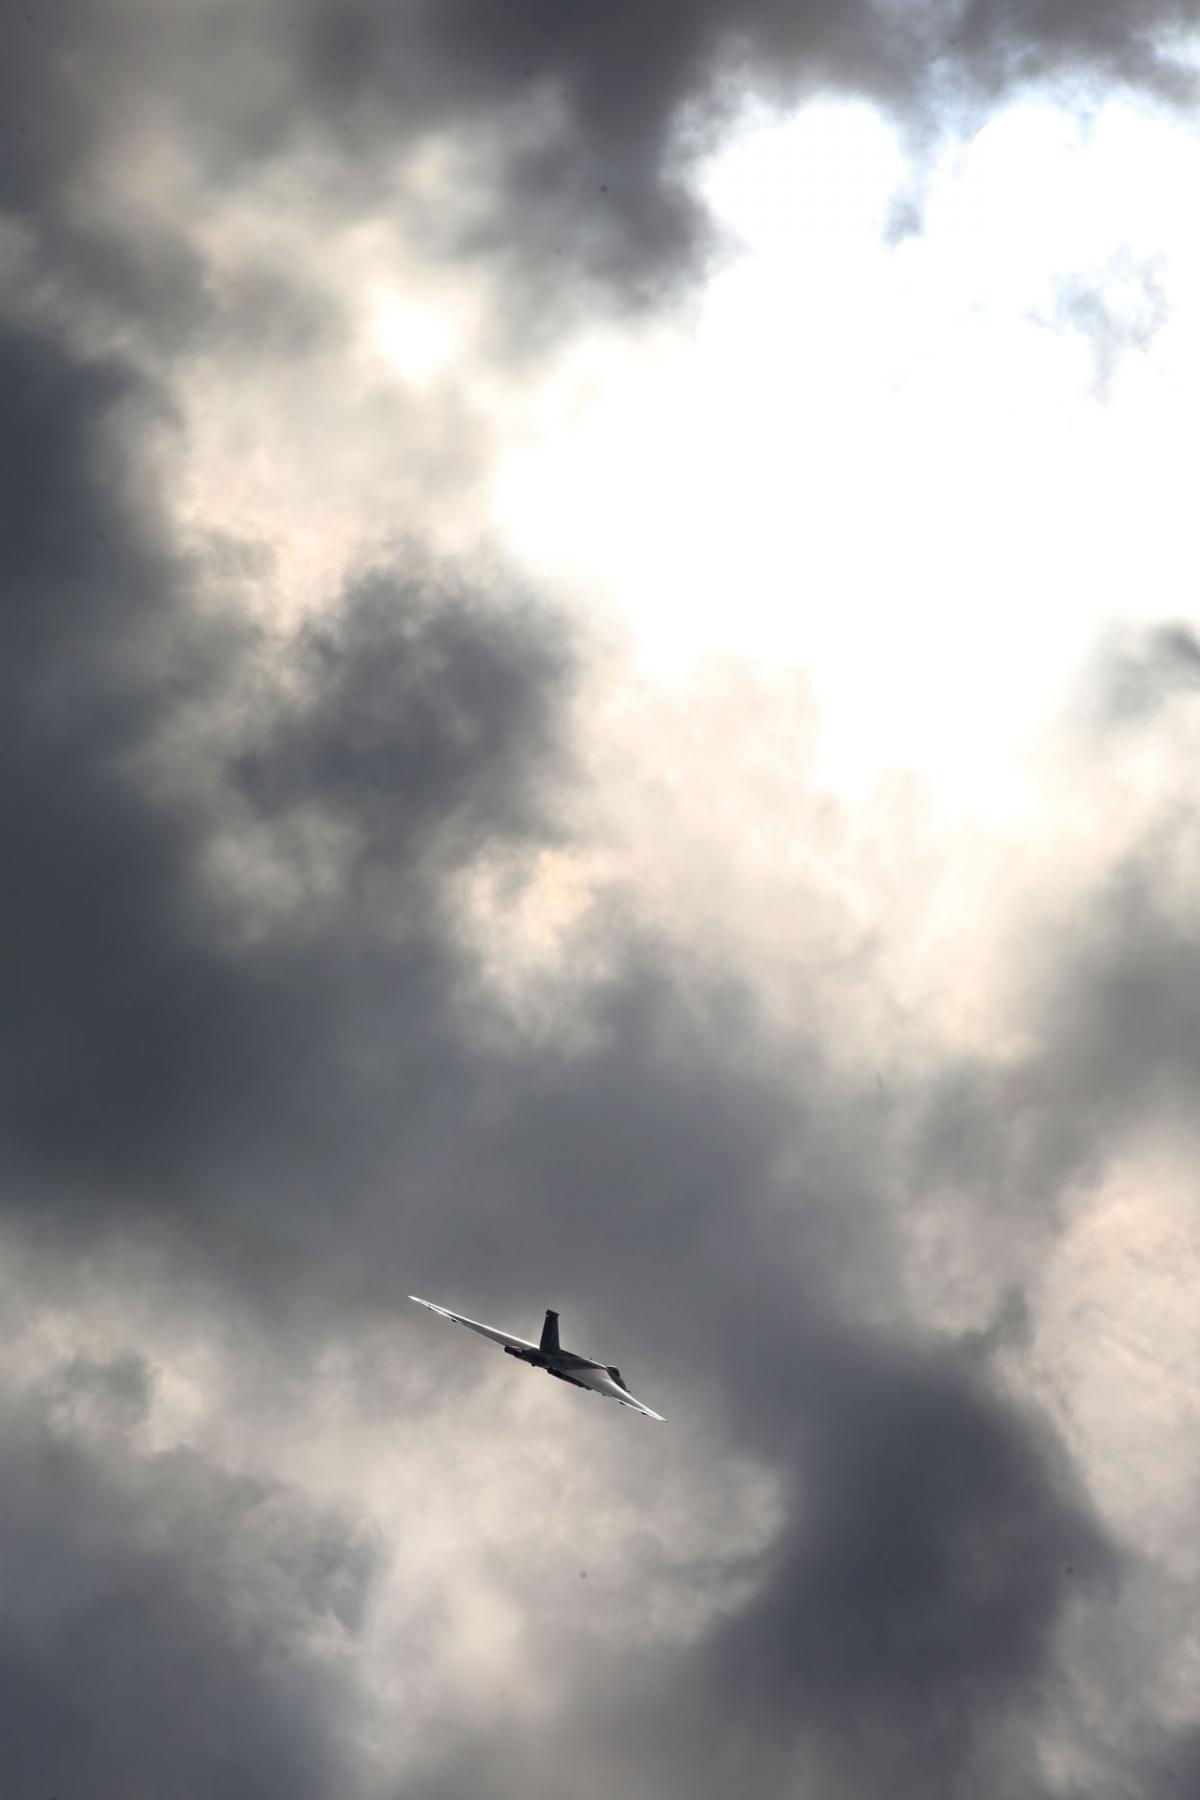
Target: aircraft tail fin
(549,1341)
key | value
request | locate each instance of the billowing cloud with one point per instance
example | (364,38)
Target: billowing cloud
(532,131)
(367,927)
(170,789)
(167,1625)
(240,1015)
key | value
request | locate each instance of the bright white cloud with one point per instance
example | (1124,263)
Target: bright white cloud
(890,465)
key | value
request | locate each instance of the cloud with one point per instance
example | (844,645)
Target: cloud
(910,1620)
(904,1625)
(1123,1053)
(624,104)
(556,141)
(1142,674)
(422,724)
(1119,312)
(259,1075)
(167,1625)
(1113,41)
(148,739)
(241,1015)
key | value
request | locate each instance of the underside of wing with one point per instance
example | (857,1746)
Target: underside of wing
(609,1383)
(487,1331)
(636,1406)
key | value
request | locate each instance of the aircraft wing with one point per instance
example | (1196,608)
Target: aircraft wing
(602,1381)
(487,1331)
(636,1406)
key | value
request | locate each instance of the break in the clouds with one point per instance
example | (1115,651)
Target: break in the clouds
(389,905)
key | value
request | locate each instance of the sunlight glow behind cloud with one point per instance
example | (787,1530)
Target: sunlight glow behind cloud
(891,464)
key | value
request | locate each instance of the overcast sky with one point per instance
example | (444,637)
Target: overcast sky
(599,705)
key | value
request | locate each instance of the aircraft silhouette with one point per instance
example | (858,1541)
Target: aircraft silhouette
(548,1354)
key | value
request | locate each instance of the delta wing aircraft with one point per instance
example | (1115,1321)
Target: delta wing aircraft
(564,1365)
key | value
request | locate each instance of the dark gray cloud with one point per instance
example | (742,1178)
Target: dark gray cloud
(45,130)
(903,1628)
(419,723)
(96,651)
(1123,1055)
(909,1623)
(136,1029)
(1176,1768)
(1116,40)
(166,1624)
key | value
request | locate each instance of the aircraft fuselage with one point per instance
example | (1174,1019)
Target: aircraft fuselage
(580,1371)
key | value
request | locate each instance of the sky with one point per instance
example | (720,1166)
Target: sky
(599,683)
